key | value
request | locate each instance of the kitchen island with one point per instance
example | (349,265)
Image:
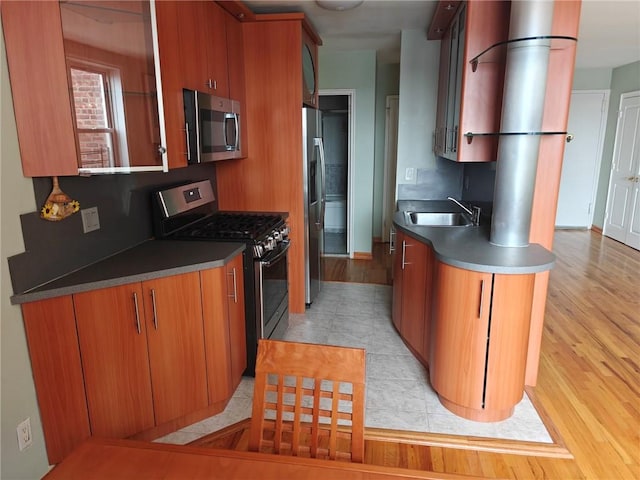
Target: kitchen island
(463,307)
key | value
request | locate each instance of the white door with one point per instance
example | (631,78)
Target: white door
(587,122)
(390,160)
(622,221)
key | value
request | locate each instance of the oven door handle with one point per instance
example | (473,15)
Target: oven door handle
(281,253)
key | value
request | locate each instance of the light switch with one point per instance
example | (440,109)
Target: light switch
(90,219)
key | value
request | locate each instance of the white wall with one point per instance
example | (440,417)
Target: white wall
(18,392)
(357,70)
(419,63)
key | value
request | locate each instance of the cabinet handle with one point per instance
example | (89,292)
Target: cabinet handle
(155,313)
(135,304)
(235,286)
(404,246)
(392,241)
(481,299)
(454,140)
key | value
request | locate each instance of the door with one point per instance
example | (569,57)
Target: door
(173,312)
(115,361)
(622,220)
(461,313)
(390,162)
(587,123)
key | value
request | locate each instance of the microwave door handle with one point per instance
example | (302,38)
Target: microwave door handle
(237,130)
(186,131)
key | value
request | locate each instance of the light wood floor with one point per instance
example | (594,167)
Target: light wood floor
(589,380)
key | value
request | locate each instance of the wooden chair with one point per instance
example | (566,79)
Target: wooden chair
(308,400)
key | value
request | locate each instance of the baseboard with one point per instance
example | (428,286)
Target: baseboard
(596,229)
(377,240)
(362,256)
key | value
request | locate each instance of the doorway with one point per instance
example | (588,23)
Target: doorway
(622,218)
(336,108)
(578,182)
(390,162)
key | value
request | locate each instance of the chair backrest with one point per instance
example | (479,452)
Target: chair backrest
(308,400)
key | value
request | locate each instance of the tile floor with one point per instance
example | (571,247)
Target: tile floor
(398,391)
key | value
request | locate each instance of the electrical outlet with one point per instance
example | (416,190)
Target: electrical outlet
(90,219)
(410,174)
(24,434)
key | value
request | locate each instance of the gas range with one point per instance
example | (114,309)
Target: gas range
(263,231)
(187,212)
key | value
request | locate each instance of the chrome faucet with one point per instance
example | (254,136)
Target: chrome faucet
(473,212)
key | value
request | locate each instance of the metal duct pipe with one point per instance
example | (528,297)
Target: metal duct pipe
(522,108)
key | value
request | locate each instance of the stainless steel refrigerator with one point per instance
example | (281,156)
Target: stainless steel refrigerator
(314,200)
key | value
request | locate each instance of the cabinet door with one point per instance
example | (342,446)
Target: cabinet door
(173,314)
(235,65)
(440,136)
(215,310)
(237,326)
(309,70)
(416,265)
(192,35)
(113,344)
(41,100)
(216,44)
(203,47)
(398,263)
(479,104)
(510,322)
(462,301)
(50,327)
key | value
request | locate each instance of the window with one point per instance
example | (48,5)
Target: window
(95,95)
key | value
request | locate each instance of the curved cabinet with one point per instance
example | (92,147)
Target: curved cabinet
(479,341)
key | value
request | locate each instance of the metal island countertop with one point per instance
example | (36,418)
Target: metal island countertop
(468,247)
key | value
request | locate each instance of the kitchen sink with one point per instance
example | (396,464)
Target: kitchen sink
(435,219)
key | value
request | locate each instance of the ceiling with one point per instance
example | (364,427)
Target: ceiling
(609,33)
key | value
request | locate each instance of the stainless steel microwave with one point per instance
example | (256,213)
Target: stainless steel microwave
(212,126)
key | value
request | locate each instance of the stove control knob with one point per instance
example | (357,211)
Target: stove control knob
(270,243)
(277,235)
(284,231)
(258,250)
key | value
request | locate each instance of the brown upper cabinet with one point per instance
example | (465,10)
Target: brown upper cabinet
(136,57)
(470,99)
(203,47)
(84,86)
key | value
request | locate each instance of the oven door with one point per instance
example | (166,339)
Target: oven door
(273,291)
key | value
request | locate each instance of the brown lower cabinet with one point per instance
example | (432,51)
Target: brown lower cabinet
(118,361)
(412,279)
(479,338)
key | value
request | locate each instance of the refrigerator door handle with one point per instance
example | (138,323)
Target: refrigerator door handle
(323,199)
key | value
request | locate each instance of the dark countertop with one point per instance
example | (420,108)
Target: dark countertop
(151,259)
(469,247)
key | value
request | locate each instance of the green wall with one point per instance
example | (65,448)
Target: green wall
(357,70)
(18,392)
(624,79)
